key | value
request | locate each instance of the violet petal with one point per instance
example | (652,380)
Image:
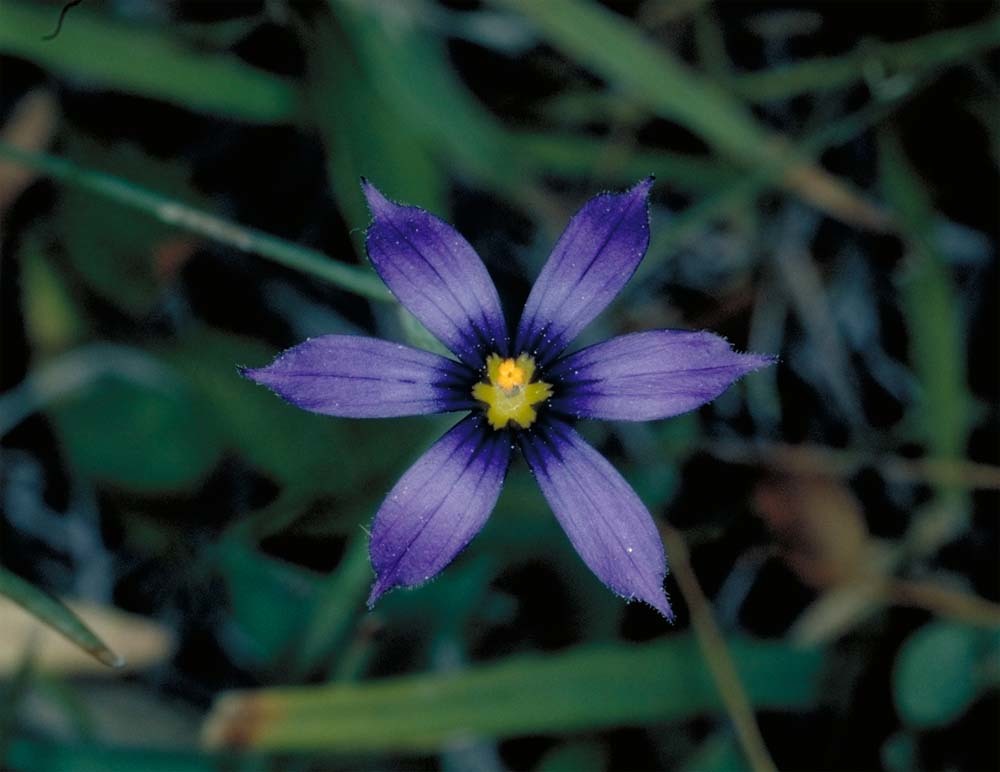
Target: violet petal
(608,525)
(436,508)
(437,275)
(358,377)
(593,259)
(648,375)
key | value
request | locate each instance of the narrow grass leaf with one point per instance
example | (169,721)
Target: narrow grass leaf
(409,69)
(49,756)
(583,689)
(363,135)
(361,281)
(916,55)
(136,60)
(335,611)
(694,219)
(936,675)
(610,46)
(578,156)
(54,613)
(931,306)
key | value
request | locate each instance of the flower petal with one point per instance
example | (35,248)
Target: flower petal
(648,375)
(437,275)
(593,259)
(436,508)
(603,517)
(357,377)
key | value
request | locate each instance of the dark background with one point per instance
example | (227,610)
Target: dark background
(826,191)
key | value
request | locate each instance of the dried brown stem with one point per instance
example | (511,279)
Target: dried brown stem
(717,656)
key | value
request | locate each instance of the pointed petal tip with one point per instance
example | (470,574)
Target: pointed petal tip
(641,189)
(754,361)
(377,201)
(660,602)
(262,376)
(250,373)
(379,589)
(644,185)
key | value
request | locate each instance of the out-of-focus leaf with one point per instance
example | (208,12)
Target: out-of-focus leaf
(937,672)
(111,245)
(38,756)
(417,335)
(586,688)
(665,240)
(944,411)
(899,753)
(352,460)
(315,613)
(138,436)
(409,70)
(610,46)
(138,642)
(174,213)
(363,135)
(719,753)
(42,606)
(340,599)
(581,156)
(574,757)
(929,300)
(142,61)
(270,600)
(30,126)
(655,483)
(12,692)
(936,50)
(819,526)
(52,319)
(836,611)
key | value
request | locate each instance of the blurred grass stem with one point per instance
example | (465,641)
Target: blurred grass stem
(717,657)
(815,459)
(936,50)
(58,616)
(172,212)
(73,371)
(598,38)
(94,46)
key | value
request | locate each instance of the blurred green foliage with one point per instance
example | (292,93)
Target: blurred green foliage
(797,209)
(941,669)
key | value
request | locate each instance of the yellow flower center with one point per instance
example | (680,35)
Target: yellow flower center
(509,394)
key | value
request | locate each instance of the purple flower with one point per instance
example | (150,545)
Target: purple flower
(521,391)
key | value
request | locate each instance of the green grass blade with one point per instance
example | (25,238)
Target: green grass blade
(362,134)
(91,757)
(336,611)
(944,409)
(408,69)
(578,156)
(918,55)
(53,613)
(176,213)
(12,693)
(135,60)
(691,221)
(587,688)
(610,46)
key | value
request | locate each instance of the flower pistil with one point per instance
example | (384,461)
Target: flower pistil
(509,393)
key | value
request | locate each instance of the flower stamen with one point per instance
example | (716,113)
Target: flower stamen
(509,394)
